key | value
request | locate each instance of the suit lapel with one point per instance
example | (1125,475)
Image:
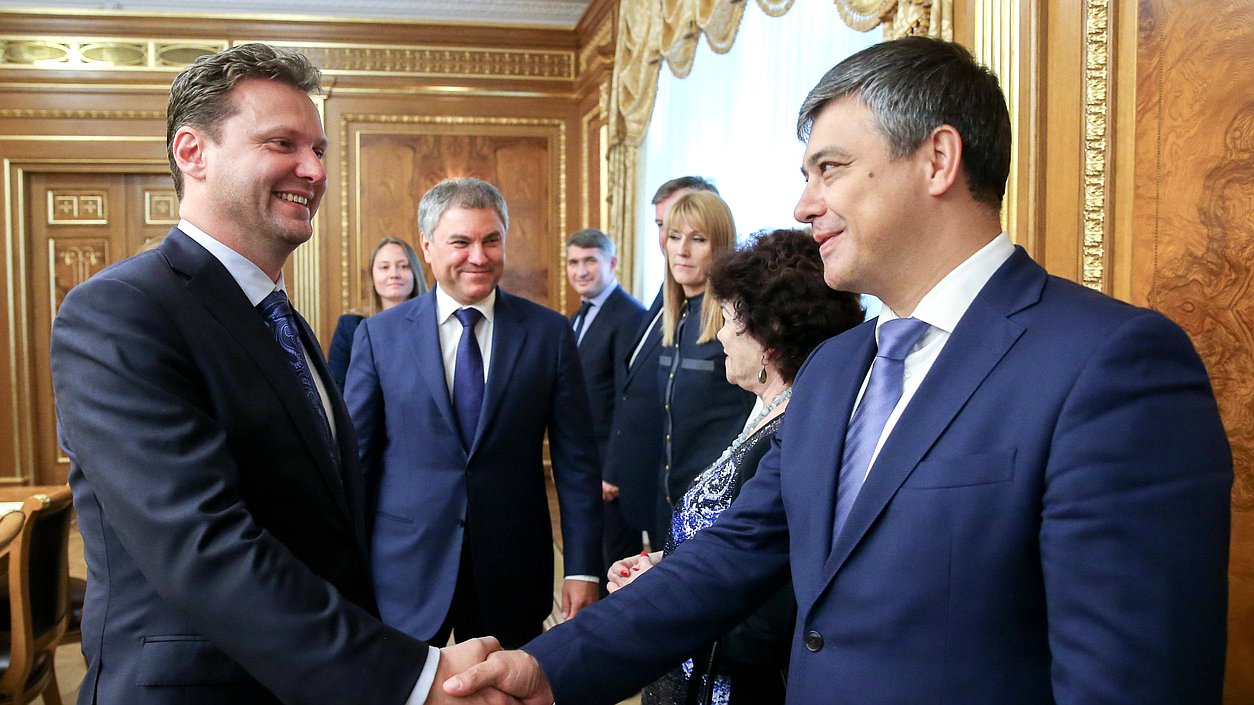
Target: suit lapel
(508,336)
(654,339)
(221,296)
(978,343)
(424,338)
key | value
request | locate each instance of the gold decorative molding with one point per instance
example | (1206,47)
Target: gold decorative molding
(39,114)
(78,207)
(457,62)
(449,120)
(593,54)
(107,53)
(70,263)
(1097,152)
(161,207)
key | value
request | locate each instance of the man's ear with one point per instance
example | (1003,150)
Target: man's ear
(942,152)
(189,152)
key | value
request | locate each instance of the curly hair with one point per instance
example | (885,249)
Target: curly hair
(774,283)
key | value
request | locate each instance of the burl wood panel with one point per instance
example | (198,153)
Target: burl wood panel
(1193,253)
(397,169)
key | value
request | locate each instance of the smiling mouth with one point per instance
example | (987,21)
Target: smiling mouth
(293,198)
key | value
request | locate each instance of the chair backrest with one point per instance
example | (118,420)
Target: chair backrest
(38,587)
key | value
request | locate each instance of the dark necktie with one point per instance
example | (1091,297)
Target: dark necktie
(468,377)
(883,391)
(277,311)
(580,316)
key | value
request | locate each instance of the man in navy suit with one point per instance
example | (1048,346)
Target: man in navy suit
(604,326)
(451,395)
(633,456)
(212,459)
(1007,489)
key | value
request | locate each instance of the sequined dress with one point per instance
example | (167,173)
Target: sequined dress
(707,497)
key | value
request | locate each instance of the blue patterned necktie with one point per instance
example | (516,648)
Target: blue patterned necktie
(883,391)
(277,311)
(468,377)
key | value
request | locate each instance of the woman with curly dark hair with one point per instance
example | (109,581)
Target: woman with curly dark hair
(776,309)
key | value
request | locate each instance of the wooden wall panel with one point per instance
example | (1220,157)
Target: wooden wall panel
(1194,236)
(396,169)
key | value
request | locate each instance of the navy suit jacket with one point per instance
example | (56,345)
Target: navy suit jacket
(603,352)
(225,547)
(633,455)
(429,493)
(1047,523)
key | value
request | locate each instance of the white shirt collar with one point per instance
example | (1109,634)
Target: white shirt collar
(446,306)
(944,305)
(256,284)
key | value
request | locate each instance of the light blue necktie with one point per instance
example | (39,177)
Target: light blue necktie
(883,391)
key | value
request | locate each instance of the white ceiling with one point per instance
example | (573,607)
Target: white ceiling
(550,13)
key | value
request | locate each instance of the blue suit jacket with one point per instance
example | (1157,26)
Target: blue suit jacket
(429,494)
(226,550)
(603,353)
(1047,523)
(633,455)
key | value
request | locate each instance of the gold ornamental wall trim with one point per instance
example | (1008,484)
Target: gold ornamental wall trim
(351,233)
(42,114)
(1096,142)
(148,54)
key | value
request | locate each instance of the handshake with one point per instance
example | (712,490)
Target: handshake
(478,671)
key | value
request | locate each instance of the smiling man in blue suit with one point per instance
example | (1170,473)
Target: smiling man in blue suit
(451,395)
(1007,489)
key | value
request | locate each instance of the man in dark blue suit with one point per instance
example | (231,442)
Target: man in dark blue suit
(633,456)
(1007,489)
(212,459)
(604,325)
(451,395)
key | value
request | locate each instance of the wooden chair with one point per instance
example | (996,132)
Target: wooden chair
(38,603)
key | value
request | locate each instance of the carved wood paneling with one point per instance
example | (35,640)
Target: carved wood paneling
(1194,237)
(400,167)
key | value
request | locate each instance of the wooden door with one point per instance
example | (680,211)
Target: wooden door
(78,224)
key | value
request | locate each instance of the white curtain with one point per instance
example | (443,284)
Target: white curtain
(733,120)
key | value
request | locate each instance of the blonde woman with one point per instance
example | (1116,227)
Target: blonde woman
(395,277)
(701,411)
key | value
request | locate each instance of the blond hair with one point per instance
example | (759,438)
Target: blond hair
(708,213)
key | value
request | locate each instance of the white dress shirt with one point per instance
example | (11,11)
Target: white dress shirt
(257,286)
(941,308)
(451,331)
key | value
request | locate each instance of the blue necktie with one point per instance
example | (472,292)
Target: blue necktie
(468,377)
(883,391)
(277,311)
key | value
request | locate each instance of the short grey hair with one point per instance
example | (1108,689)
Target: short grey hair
(591,238)
(912,86)
(464,192)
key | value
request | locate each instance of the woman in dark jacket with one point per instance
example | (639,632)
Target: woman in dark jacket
(395,277)
(776,310)
(701,411)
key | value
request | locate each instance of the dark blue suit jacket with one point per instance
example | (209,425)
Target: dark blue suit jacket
(226,550)
(633,455)
(603,353)
(429,494)
(1047,523)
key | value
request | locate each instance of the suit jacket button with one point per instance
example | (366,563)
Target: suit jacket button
(813,640)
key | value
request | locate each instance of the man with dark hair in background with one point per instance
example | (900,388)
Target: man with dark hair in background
(633,456)
(212,459)
(1007,489)
(607,319)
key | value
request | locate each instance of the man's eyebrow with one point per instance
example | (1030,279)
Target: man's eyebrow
(821,154)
